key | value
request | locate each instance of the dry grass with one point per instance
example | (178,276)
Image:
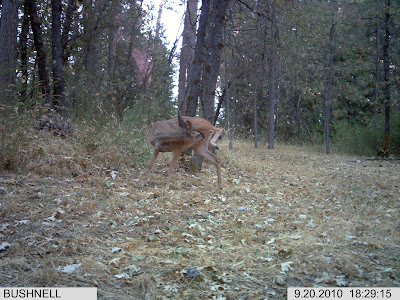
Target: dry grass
(287,217)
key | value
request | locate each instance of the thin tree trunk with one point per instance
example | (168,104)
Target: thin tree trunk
(272,103)
(41,54)
(298,121)
(112,56)
(158,25)
(255,112)
(377,75)
(228,113)
(91,21)
(72,7)
(219,105)
(328,105)
(386,70)
(187,51)
(8,50)
(59,99)
(23,48)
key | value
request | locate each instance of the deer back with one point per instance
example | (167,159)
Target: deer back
(169,135)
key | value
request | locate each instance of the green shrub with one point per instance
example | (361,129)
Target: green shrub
(365,140)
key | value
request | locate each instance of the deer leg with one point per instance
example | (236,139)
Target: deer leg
(205,153)
(218,165)
(215,137)
(147,175)
(175,156)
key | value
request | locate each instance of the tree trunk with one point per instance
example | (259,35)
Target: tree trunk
(90,39)
(8,50)
(194,89)
(212,59)
(386,70)
(228,113)
(59,99)
(255,112)
(272,103)
(187,51)
(41,54)
(23,48)
(112,58)
(328,105)
(377,75)
(219,105)
(158,25)
(72,6)
(91,28)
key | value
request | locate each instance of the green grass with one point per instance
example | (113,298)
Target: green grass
(361,140)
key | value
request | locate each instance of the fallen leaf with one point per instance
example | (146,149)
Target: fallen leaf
(4,246)
(69,268)
(123,275)
(191,272)
(285,267)
(279,280)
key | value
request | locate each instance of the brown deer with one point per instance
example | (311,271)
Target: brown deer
(179,134)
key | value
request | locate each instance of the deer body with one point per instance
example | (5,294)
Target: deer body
(179,134)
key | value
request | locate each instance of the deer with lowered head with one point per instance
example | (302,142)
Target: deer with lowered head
(179,134)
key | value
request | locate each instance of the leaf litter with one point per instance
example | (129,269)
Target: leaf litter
(288,217)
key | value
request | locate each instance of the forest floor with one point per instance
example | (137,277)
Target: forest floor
(285,217)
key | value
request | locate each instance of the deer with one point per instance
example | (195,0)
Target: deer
(178,134)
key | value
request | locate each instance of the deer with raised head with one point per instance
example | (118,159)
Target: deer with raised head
(179,134)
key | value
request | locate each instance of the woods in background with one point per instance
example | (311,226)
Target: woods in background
(300,71)
(315,71)
(84,57)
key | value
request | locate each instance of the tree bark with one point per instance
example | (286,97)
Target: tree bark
(272,103)
(23,49)
(386,70)
(91,22)
(255,112)
(212,59)
(328,105)
(194,88)
(158,25)
(72,7)
(377,74)
(8,50)
(228,113)
(59,99)
(41,54)
(187,52)
(112,57)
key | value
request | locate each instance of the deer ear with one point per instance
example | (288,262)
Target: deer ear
(181,122)
(189,126)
